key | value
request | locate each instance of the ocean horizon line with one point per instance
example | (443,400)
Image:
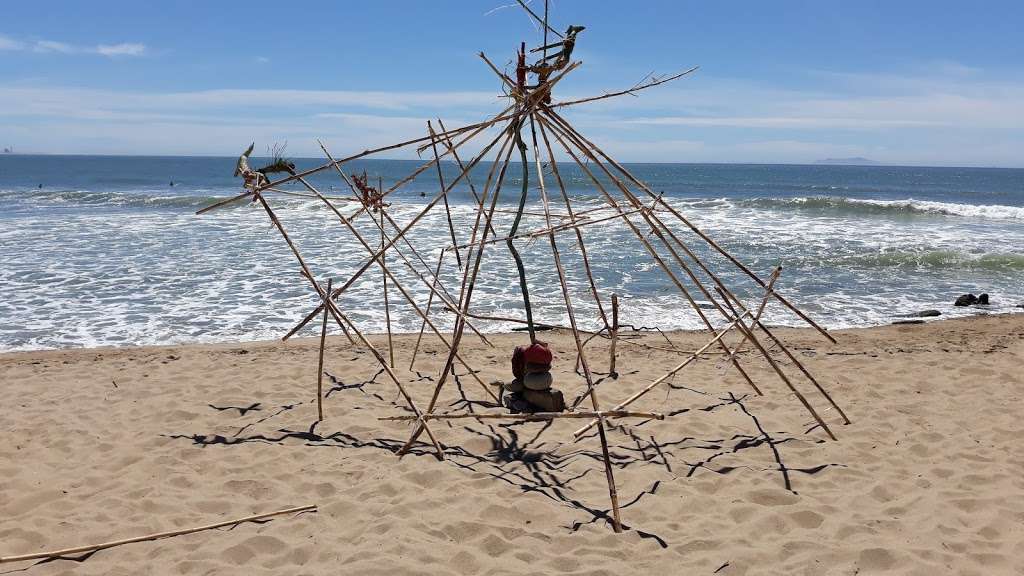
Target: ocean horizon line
(814,163)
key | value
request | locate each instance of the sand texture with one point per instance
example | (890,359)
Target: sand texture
(928,479)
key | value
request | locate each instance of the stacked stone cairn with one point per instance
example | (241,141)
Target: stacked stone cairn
(530,390)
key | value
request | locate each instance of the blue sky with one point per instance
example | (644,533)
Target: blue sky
(912,82)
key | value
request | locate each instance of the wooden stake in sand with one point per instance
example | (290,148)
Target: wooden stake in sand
(384,279)
(320,364)
(156,536)
(614,336)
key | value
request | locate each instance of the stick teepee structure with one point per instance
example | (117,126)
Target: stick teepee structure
(531,130)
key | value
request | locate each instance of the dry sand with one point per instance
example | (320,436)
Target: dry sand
(929,479)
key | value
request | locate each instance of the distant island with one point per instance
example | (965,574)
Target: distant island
(858,161)
(9,150)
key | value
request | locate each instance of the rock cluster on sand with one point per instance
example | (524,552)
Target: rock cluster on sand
(971,300)
(531,389)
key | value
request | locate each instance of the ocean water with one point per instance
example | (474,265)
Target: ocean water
(98,251)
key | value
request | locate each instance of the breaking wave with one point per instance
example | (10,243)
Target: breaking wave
(938,259)
(908,207)
(134,199)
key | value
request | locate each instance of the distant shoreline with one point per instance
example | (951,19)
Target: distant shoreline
(680,333)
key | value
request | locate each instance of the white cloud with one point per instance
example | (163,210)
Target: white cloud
(45,46)
(812,123)
(939,118)
(54,47)
(7,43)
(123,49)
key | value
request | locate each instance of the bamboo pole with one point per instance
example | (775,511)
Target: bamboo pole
(655,222)
(394,378)
(458,161)
(155,536)
(725,294)
(579,238)
(705,237)
(610,476)
(440,177)
(764,302)
(477,127)
(663,378)
(430,300)
(399,286)
(576,225)
(433,285)
(613,492)
(643,240)
(775,366)
(340,318)
(614,336)
(401,234)
(469,273)
(782,346)
(533,416)
(384,280)
(320,363)
(559,268)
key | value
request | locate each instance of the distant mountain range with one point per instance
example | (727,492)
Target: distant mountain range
(857,161)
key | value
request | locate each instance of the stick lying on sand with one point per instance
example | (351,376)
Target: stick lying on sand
(533,416)
(157,536)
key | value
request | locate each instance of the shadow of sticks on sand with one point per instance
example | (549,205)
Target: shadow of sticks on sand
(514,453)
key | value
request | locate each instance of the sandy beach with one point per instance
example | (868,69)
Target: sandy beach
(110,443)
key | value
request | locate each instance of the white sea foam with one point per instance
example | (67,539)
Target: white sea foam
(151,277)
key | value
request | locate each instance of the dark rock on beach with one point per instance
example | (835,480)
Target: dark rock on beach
(909,322)
(922,314)
(966,300)
(983,299)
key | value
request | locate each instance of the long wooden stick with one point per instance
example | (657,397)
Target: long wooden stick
(705,237)
(614,336)
(477,127)
(156,536)
(469,273)
(760,309)
(559,132)
(785,349)
(432,285)
(430,301)
(668,375)
(575,225)
(533,416)
(355,277)
(613,493)
(340,318)
(778,370)
(440,178)
(588,377)
(320,363)
(655,222)
(384,279)
(401,289)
